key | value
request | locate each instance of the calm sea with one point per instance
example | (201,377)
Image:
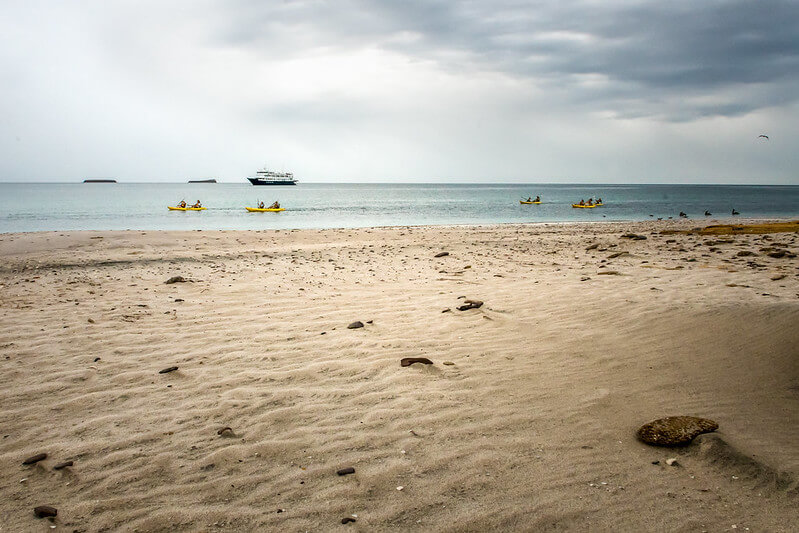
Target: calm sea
(78,206)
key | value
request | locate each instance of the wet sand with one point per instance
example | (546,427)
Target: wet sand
(525,420)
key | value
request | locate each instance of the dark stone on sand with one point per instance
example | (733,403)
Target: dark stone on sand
(408,361)
(35,459)
(175,279)
(226,432)
(633,236)
(61,466)
(347,520)
(609,273)
(168,370)
(592,247)
(45,511)
(345,471)
(470,304)
(442,254)
(179,299)
(745,253)
(675,430)
(355,325)
(617,254)
(777,255)
(96,359)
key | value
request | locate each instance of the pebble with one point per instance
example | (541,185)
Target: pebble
(675,430)
(44,511)
(448,363)
(442,254)
(175,279)
(35,459)
(226,432)
(355,325)
(345,471)
(347,520)
(609,273)
(408,361)
(63,465)
(168,370)
(672,462)
(470,304)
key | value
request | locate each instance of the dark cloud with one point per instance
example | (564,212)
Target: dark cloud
(660,50)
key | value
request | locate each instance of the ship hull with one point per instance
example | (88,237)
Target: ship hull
(259,181)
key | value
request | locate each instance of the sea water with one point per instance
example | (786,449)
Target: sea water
(120,206)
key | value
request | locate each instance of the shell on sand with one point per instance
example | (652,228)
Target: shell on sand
(675,430)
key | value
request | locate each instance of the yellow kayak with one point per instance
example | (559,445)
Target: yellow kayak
(264,210)
(185,208)
(599,204)
(523,202)
(584,206)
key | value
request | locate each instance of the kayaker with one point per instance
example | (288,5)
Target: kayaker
(599,200)
(529,198)
(260,205)
(683,215)
(275,205)
(197,205)
(182,204)
(537,199)
(582,201)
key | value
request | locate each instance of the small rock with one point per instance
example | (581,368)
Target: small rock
(617,254)
(175,279)
(609,273)
(96,359)
(778,277)
(592,247)
(61,466)
(179,300)
(447,310)
(442,254)
(226,432)
(45,511)
(355,325)
(35,459)
(408,361)
(168,370)
(345,471)
(90,321)
(777,255)
(470,304)
(672,462)
(448,363)
(347,520)
(745,253)
(675,430)
(633,236)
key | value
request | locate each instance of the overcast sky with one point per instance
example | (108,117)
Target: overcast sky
(401,90)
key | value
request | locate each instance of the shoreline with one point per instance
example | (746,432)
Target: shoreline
(525,420)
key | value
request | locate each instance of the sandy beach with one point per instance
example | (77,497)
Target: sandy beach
(525,421)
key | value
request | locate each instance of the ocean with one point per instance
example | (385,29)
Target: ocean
(143,206)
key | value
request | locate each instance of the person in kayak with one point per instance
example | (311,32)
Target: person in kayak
(529,198)
(275,205)
(537,199)
(182,204)
(582,202)
(197,205)
(260,205)
(599,200)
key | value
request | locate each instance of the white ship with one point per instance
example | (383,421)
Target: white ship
(268,177)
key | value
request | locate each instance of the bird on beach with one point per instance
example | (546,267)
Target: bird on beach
(764,136)
(708,213)
(734,212)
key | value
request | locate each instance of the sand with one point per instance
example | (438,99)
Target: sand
(526,419)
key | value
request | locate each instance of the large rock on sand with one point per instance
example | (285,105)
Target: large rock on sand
(675,430)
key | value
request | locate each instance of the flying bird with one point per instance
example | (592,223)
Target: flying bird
(764,136)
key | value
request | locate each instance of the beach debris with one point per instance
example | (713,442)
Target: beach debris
(672,461)
(675,430)
(408,361)
(400,487)
(35,459)
(617,254)
(345,471)
(226,431)
(470,304)
(447,310)
(779,254)
(745,253)
(633,236)
(355,325)
(441,254)
(168,370)
(448,363)
(90,321)
(609,273)
(175,279)
(61,466)
(45,511)
(592,247)
(778,277)
(347,520)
